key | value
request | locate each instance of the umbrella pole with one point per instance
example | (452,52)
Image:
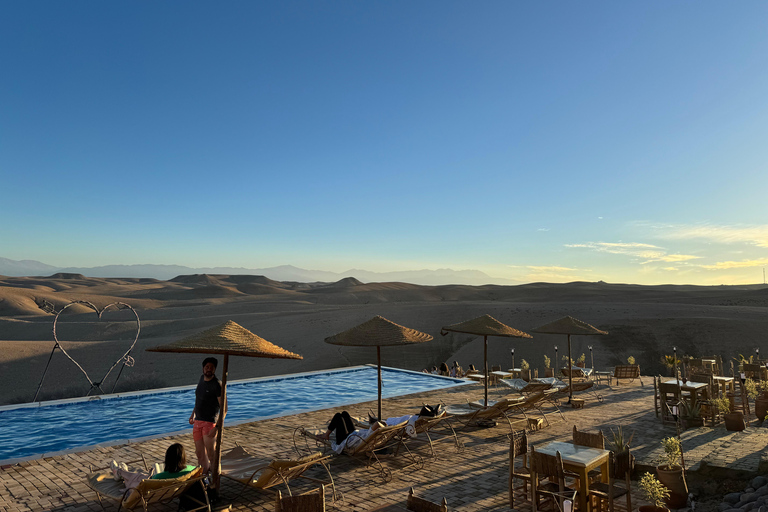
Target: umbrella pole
(378,360)
(485,359)
(570,372)
(216,463)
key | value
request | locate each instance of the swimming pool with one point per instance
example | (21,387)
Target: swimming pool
(44,428)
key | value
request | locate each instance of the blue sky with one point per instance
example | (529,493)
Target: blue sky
(535,141)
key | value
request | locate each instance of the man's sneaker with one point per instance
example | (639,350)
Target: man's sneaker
(124,466)
(114,466)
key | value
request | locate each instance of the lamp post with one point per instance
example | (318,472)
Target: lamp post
(757,355)
(512,351)
(674,359)
(591,358)
(556,363)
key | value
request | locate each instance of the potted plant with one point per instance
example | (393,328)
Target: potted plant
(548,371)
(619,441)
(734,420)
(670,362)
(525,371)
(670,471)
(581,360)
(653,492)
(691,415)
(761,405)
(750,389)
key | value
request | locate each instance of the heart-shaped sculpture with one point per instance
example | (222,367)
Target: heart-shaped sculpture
(126,358)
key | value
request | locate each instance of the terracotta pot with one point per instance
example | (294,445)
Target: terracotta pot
(761,407)
(580,365)
(549,372)
(525,375)
(693,422)
(652,508)
(734,421)
(674,480)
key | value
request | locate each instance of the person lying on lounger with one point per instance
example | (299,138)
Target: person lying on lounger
(344,427)
(175,466)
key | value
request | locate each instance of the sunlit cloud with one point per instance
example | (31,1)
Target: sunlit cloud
(725,265)
(646,252)
(551,269)
(555,273)
(754,235)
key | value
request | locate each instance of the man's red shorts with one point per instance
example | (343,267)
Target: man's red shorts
(201,428)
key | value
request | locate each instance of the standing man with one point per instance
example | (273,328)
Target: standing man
(204,415)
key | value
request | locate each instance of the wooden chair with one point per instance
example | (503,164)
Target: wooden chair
(669,393)
(705,402)
(621,466)
(313,501)
(518,447)
(551,468)
(590,440)
(422,505)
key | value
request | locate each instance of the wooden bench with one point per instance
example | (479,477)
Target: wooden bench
(627,371)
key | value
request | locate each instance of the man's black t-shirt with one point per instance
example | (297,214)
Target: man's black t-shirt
(207,399)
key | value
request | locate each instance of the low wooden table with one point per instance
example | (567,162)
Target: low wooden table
(580,460)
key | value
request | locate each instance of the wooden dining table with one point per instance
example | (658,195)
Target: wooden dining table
(694,388)
(580,460)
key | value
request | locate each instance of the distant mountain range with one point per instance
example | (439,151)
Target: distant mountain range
(437,277)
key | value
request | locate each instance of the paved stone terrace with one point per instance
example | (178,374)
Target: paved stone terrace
(473,480)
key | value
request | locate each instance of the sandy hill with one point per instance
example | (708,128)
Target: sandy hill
(643,321)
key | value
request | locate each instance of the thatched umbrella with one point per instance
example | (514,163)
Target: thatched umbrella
(227,339)
(378,332)
(570,326)
(485,326)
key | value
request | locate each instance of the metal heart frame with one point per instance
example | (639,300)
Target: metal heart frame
(125,358)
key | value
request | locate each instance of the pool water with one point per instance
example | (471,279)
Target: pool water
(35,429)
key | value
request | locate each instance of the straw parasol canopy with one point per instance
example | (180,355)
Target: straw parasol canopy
(226,339)
(378,332)
(572,327)
(485,326)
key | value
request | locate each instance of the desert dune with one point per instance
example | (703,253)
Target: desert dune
(643,321)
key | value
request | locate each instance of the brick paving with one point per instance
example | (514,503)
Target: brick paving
(473,480)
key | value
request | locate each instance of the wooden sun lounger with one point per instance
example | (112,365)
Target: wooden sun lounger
(262,473)
(148,491)
(469,415)
(427,425)
(371,449)
(578,387)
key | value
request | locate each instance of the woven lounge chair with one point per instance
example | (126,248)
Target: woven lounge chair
(262,473)
(469,415)
(526,388)
(578,387)
(370,450)
(429,426)
(148,492)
